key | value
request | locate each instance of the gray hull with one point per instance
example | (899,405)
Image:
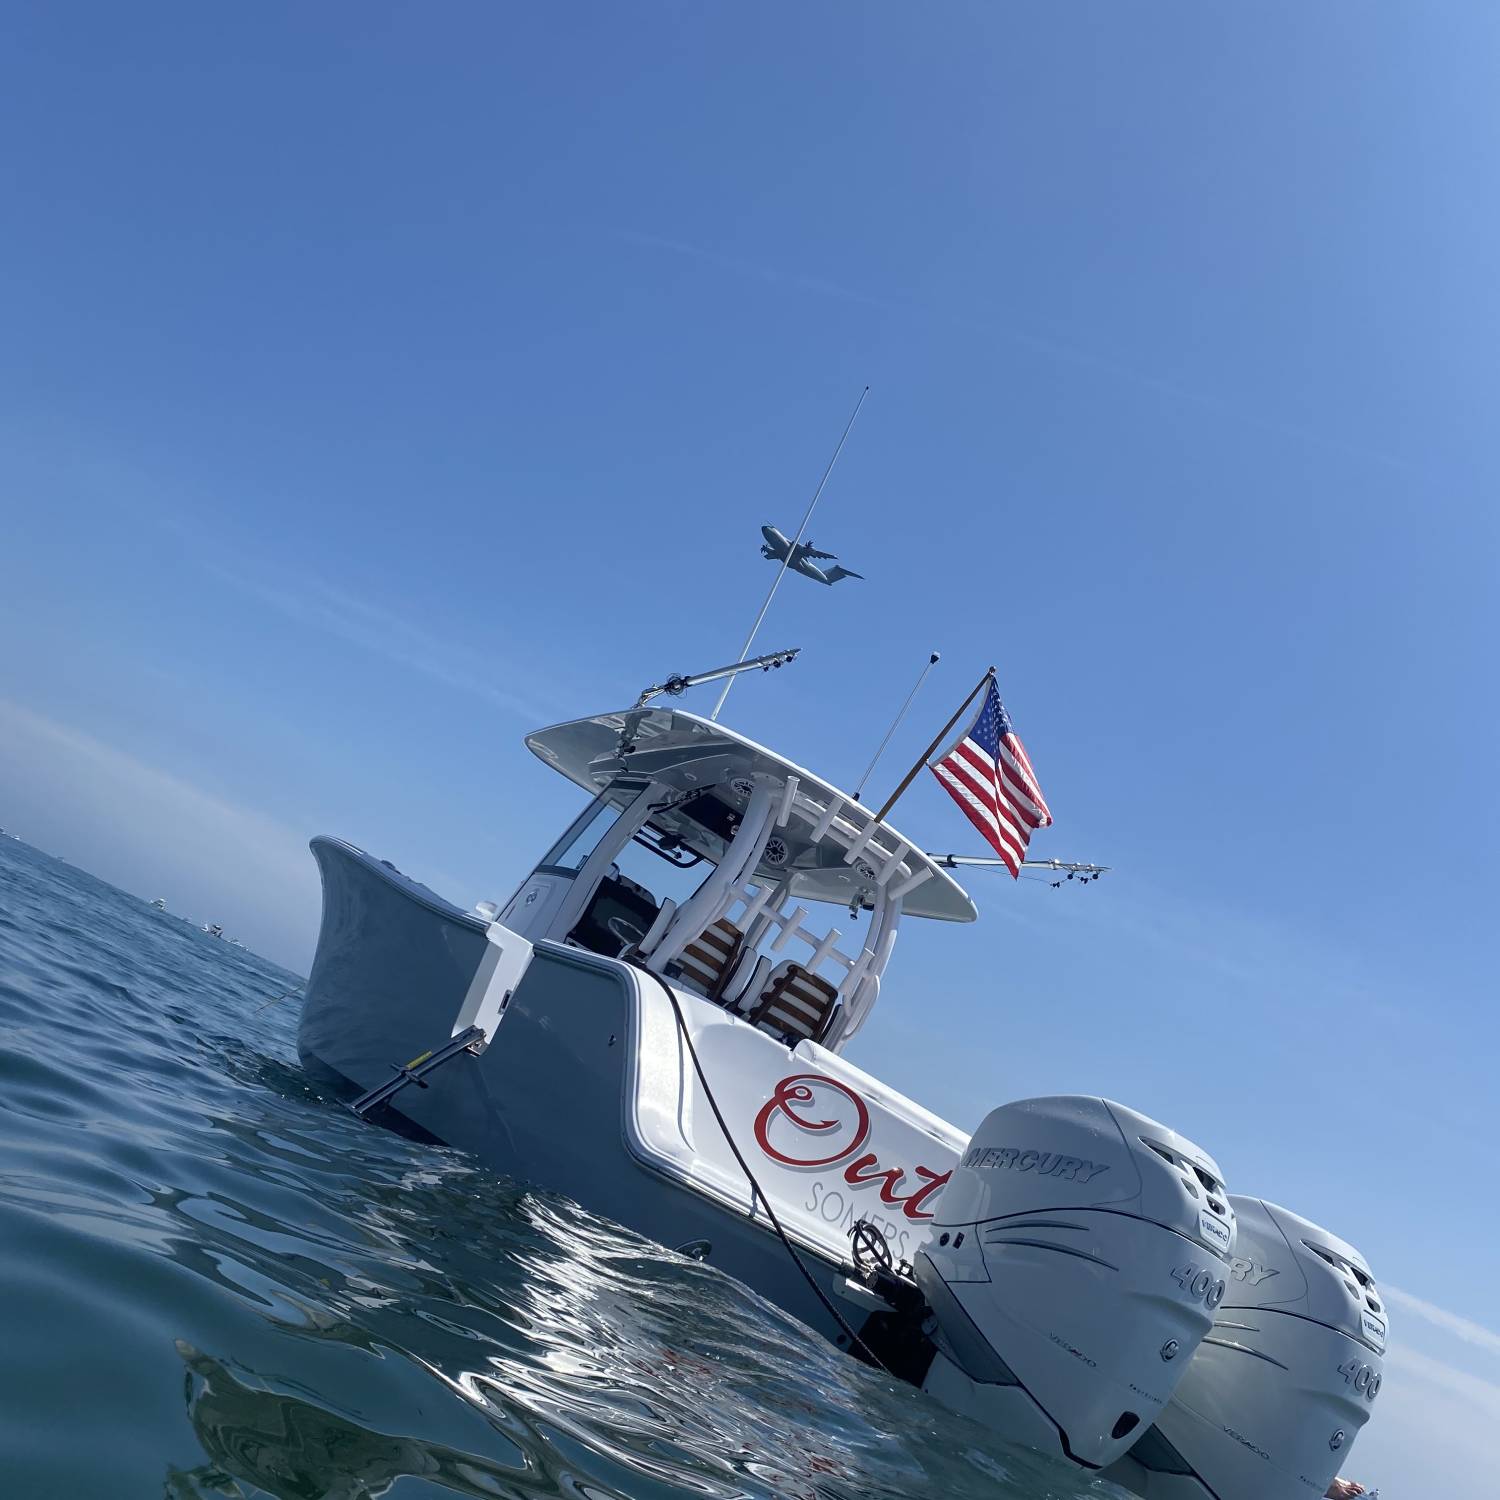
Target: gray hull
(545,1102)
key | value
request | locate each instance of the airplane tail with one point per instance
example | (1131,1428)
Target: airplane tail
(834,573)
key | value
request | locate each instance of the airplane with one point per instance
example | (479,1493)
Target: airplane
(777,547)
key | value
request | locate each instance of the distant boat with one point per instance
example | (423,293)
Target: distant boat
(160,903)
(212,929)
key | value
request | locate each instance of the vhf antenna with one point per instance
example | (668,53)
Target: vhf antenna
(791,551)
(678,684)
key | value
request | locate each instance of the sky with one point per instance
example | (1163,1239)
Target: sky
(379,383)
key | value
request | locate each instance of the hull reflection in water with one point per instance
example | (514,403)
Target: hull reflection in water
(596,1365)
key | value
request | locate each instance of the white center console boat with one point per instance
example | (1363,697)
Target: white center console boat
(656,1024)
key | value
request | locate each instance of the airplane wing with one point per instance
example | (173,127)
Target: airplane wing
(808,550)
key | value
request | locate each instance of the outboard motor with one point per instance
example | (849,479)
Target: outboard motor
(1077,1257)
(1273,1399)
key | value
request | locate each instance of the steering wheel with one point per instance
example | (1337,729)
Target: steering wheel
(623,928)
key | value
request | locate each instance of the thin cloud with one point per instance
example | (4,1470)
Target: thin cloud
(793,279)
(1429,1433)
(1455,1323)
(1047,345)
(1411,1366)
(382,632)
(376,628)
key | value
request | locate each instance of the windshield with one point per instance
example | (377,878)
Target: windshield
(653,867)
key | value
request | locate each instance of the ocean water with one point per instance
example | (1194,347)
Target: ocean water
(216,1282)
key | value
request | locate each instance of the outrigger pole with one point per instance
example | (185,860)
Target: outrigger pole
(680,682)
(1062,866)
(791,551)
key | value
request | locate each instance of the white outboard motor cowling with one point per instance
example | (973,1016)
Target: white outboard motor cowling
(1077,1257)
(1274,1397)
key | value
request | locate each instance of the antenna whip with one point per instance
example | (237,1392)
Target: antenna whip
(932,661)
(792,550)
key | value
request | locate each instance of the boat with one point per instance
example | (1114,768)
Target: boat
(657,1024)
(212,929)
(160,903)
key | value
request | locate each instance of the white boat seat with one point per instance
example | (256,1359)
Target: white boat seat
(664,915)
(704,964)
(795,1005)
(746,981)
(853,1013)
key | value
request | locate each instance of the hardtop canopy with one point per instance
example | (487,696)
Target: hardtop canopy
(831,847)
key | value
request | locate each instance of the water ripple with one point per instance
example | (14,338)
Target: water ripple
(218,1283)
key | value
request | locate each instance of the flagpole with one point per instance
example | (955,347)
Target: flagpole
(792,550)
(942,734)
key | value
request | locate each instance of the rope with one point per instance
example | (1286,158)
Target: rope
(277,999)
(855,1342)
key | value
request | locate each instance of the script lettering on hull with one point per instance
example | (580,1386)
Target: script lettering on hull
(812,1122)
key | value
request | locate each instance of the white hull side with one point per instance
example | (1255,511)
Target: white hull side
(586,1088)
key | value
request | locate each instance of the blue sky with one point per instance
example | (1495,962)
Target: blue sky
(379,383)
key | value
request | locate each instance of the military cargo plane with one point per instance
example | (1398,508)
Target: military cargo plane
(776,547)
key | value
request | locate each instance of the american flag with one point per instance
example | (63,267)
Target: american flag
(989,775)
